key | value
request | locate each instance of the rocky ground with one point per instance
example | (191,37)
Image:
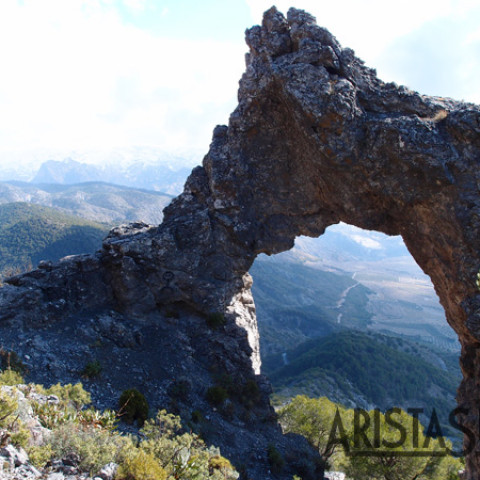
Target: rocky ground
(15,463)
(173,358)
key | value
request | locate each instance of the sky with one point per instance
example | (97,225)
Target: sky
(100,74)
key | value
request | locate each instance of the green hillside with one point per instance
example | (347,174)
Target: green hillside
(30,233)
(367,370)
(296,302)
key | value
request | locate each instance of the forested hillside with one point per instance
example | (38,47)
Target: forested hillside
(30,233)
(367,370)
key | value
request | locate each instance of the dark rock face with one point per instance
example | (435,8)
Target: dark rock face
(316,139)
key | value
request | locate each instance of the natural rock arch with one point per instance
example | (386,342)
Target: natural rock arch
(316,139)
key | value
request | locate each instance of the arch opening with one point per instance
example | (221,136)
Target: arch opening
(400,297)
(351,316)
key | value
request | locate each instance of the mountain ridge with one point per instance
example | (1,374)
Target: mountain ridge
(96,201)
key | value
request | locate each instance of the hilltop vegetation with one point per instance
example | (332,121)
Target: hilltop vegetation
(367,371)
(50,432)
(31,233)
(369,444)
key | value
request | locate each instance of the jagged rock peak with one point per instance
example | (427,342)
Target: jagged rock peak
(279,35)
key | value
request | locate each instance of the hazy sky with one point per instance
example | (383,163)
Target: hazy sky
(99,73)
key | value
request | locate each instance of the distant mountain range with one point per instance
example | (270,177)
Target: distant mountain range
(139,167)
(96,201)
(156,177)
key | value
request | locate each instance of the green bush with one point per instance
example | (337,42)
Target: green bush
(95,418)
(165,451)
(216,320)
(92,369)
(13,429)
(72,400)
(183,455)
(250,394)
(218,462)
(51,415)
(216,395)
(94,447)
(133,406)
(68,394)
(19,433)
(180,389)
(140,465)
(197,416)
(8,406)
(40,455)
(10,377)
(275,459)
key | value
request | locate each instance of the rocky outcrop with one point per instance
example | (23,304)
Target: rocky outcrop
(316,139)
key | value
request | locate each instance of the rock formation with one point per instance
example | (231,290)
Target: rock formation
(316,139)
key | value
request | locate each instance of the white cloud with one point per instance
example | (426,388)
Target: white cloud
(74,74)
(367,242)
(135,5)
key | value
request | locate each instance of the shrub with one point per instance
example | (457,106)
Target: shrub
(51,415)
(180,389)
(216,395)
(197,416)
(13,429)
(275,459)
(133,406)
(95,418)
(92,369)
(40,455)
(140,465)
(10,377)
(72,398)
(250,394)
(19,433)
(217,462)
(93,446)
(163,425)
(8,406)
(183,455)
(216,320)
(226,381)
(75,395)
(11,361)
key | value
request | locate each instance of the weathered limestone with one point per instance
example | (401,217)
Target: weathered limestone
(316,139)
